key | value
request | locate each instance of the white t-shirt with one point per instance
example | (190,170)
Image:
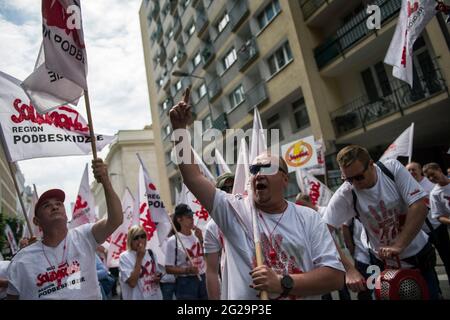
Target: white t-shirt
(440,201)
(193,247)
(214,243)
(65,272)
(360,240)
(146,288)
(301,242)
(382,208)
(3,275)
(427,185)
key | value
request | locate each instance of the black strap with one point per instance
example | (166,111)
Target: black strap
(385,170)
(176,251)
(150,252)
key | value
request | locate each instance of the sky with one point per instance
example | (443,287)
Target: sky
(116,77)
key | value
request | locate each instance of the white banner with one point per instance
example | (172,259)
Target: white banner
(318,192)
(29,135)
(118,240)
(258,144)
(65,51)
(300,154)
(84,209)
(242,174)
(11,240)
(414,16)
(402,146)
(48,90)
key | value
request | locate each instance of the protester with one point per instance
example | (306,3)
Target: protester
(440,195)
(139,272)
(190,279)
(299,253)
(68,253)
(214,245)
(390,205)
(104,278)
(3,278)
(167,282)
(436,231)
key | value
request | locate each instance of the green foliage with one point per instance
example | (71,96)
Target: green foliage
(16,226)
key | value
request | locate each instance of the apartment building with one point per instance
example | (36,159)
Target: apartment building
(311,67)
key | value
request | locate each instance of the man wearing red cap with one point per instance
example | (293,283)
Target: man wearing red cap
(62,264)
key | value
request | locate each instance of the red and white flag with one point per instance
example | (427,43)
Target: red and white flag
(414,16)
(221,164)
(84,208)
(48,90)
(29,135)
(64,47)
(258,144)
(11,240)
(318,192)
(319,168)
(402,146)
(201,215)
(37,232)
(118,240)
(152,213)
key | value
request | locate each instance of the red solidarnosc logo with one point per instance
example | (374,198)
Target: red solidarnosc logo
(151,186)
(147,222)
(79,204)
(202,213)
(412,7)
(414,192)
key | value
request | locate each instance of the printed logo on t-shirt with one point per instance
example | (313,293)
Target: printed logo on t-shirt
(414,192)
(196,253)
(147,278)
(66,276)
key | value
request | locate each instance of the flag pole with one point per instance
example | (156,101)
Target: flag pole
(16,185)
(91,127)
(411,136)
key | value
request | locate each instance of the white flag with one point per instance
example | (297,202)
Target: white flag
(37,232)
(318,192)
(65,51)
(221,164)
(402,146)
(118,240)
(319,168)
(242,174)
(84,208)
(48,90)
(11,240)
(29,135)
(258,144)
(414,16)
(201,215)
(152,213)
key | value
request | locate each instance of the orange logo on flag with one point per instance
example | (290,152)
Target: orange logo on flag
(298,154)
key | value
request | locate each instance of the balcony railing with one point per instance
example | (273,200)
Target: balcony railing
(207,54)
(364,111)
(310,6)
(176,28)
(201,24)
(155,10)
(214,88)
(351,32)
(247,53)
(238,13)
(173,5)
(157,35)
(256,96)
(162,55)
(221,123)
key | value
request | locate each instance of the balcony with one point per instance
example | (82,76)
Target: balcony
(352,32)
(173,5)
(256,96)
(176,28)
(214,88)
(309,7)
(165,82)
(238,14)
(247,54)
(155,10)
(157,35)
(162,55)
(221,122)
(364,110)
(207,54)
(201,24)
(181,55)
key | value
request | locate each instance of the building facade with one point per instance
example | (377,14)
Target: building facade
(311,67)
(123,164)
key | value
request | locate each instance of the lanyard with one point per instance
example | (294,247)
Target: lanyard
(62,260)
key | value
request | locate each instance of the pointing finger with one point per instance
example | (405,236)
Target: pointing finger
(186,95)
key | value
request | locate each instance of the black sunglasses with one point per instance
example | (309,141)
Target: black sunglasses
(227,188)
(255,168)
(140,236)
(358,177)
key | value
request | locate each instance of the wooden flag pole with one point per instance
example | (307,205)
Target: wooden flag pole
(91,127)
(16,185)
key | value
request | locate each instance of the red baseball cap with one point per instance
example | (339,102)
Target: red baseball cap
(49,194)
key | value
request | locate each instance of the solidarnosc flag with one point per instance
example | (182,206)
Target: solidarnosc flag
(319,193)
(402,146)
(84,208)
(29,135)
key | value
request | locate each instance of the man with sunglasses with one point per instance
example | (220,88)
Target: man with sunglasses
(300,258)
(390,205)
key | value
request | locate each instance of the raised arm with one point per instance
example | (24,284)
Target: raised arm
(200,187)
(102,229)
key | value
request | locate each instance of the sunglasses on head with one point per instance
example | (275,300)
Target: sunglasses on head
(358,177)
(140,236)
(265,169)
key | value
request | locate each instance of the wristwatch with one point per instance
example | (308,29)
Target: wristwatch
(287,283)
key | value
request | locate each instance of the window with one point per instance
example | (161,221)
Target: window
(174,58)
(197,59)
(201,91)
(280,58)
(370,85)
(159,82)
(237,96)
(300,114)
(273,123)
(166,104)
(191,29)
(185,3)
(170,33)
(223,22)
(268,13)
(178,86)
(229,59)
(383,79)
(167,131)
(206,122)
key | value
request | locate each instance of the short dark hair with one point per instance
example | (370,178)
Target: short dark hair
(432,166)
(352,153)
